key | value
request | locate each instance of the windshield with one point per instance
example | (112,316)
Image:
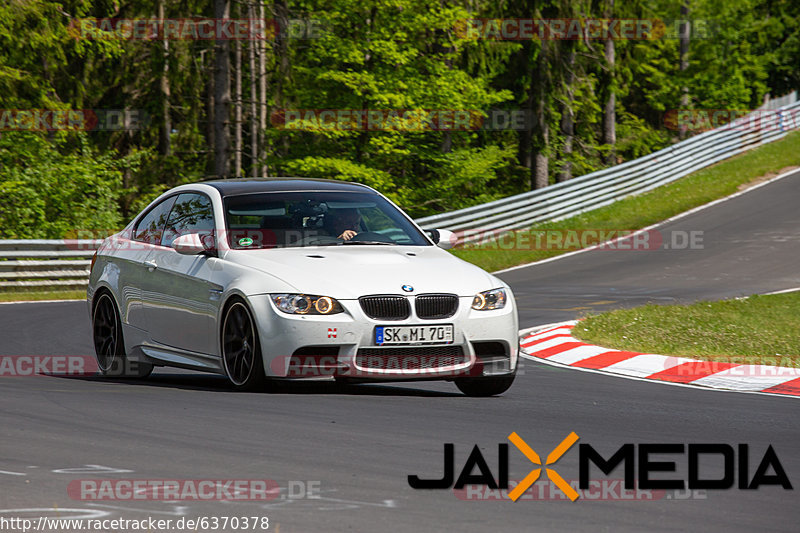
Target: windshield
(312,218)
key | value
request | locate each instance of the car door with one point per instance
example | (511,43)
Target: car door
(131,256)
(180,301)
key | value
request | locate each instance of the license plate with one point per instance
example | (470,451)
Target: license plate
(434,334)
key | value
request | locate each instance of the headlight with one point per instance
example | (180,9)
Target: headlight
(486,300)
(306,304)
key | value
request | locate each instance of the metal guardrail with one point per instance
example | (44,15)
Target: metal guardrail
(64,264)
(606,186)
(45,264)
(781,101)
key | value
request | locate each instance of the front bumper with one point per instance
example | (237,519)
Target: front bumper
(485,343)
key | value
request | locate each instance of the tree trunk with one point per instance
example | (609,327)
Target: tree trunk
(283,75)
(609,108)
(164,142)
(447,143)
(237,113)
(261,155)
(685,36)
(210,118)
(125,201)
(253,100)
(524,155)
(568,113)
(541,174)
(222,96)
(282,42)
(525,135)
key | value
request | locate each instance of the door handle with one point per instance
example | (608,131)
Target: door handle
(151,265)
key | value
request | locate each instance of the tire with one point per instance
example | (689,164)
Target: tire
(240,348)
(109,344)
(483,387)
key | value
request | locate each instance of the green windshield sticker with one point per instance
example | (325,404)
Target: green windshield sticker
(246,241)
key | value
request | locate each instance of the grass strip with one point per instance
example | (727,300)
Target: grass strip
(755,330)
(35,296)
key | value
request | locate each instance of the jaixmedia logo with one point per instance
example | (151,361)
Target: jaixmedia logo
(641,469)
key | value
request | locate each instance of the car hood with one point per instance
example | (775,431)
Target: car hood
(350,271)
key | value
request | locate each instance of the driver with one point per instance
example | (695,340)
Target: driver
(344,223)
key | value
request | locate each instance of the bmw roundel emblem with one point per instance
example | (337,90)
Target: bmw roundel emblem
(408,288)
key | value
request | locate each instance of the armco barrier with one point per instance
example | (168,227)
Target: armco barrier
(45,264)
(606,186)
(60,264)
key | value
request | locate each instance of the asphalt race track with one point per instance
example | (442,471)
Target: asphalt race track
(357,444)
(750,244)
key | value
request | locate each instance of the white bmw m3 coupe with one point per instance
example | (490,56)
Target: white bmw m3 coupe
(286,278)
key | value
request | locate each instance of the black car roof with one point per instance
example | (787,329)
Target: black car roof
(236,186)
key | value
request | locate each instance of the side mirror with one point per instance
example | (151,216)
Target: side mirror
(443,238)
(191,244)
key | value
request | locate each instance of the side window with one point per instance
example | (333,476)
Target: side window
(192,213)
(151,226)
